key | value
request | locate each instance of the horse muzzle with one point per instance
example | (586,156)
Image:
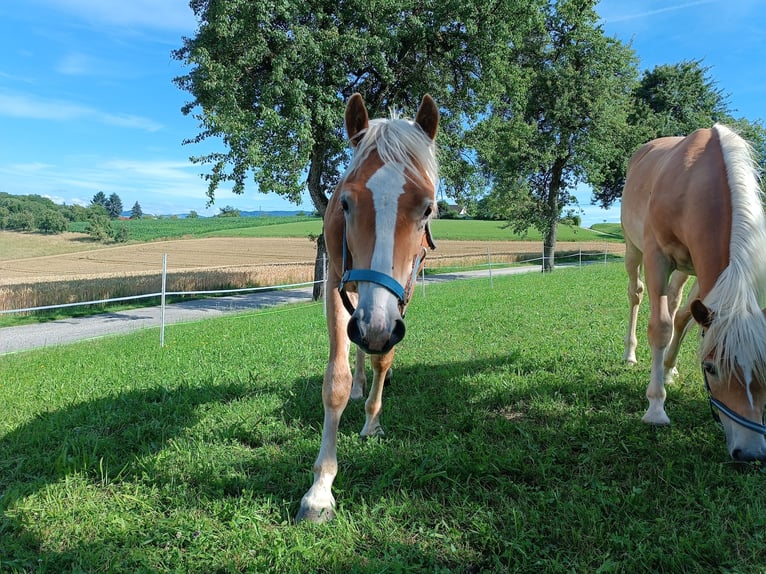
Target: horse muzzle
(374,338)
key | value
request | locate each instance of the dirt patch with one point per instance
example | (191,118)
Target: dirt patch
(221,252)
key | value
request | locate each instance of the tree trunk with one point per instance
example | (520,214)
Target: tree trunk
(549,247)
(553,208)
(319,199)
(319,268)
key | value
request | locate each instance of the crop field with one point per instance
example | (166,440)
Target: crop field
(38,270)
(513,444)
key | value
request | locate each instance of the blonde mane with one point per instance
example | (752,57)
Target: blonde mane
(737,335)
(398,141)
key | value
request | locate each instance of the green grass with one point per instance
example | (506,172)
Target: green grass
(456,229)
(514,444)
(176,228)
(451,229)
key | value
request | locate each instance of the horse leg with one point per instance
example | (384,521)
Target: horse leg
(681,320)
(660,332)
(633,261)
(318,504)
(360,376)
(374,404)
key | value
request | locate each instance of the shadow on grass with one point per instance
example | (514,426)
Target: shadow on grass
(445,433)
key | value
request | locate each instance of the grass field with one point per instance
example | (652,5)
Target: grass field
(513,444)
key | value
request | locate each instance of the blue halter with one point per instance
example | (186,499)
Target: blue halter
(737,418)
(403,294)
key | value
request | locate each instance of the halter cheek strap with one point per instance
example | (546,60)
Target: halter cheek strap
(402,294)
(735,417)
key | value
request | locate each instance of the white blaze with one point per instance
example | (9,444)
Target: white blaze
(386,185)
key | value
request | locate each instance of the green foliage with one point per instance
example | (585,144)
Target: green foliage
(512,445)
(33,213)
(678,99)
(273,82)
(567,122)
(51,222)
(114,206)
(670,100)
(228,211)
(99,199)
(98,226)
(136,212)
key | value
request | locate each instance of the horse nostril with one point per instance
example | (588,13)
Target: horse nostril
(398,333)
(736,454)
(354,333)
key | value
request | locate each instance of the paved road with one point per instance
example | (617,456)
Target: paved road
(63,331)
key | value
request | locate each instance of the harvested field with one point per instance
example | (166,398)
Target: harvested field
(204,254)
(212,264)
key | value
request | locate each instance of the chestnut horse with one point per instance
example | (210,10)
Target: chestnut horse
(376,230)
(692,206)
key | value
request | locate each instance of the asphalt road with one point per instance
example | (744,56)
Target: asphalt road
(65,331)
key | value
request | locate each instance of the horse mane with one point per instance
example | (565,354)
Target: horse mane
(398,141)
(737,334)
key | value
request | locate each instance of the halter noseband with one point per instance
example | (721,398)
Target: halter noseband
(735,417)
(403,294)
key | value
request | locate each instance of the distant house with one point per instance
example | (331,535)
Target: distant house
(451,210)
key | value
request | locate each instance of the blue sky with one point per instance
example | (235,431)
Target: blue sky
(87,101)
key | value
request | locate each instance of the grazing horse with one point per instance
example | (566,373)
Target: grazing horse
(692,206)
(376,230)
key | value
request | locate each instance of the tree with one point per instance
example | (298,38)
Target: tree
(51,221)
(272,81)
(568,122)
(114,206)
(99,199)
(136,212)
(99,226)
(228,211)
(670,100)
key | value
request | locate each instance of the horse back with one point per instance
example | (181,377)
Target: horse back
(677,200)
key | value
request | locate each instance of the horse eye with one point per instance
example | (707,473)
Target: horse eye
(344,205)
(429,211)
(710,369)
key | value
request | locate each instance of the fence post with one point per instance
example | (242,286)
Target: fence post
(162,299)
(489,264)
(580,256)
(606,251)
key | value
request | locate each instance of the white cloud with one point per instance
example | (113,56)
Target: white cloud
(154,14)
(31,107)
(75,64)
(655,11)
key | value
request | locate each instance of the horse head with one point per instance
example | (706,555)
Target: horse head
(736,388)
(379,218)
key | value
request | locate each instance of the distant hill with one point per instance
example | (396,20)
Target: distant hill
(277,213)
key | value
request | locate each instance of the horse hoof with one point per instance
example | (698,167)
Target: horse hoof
(656,419)
(315,515)
(376,432)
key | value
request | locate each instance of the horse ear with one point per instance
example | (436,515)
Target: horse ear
(357,118)
(428,116)
(701,313)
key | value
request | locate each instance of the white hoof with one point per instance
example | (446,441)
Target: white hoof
(656,417)
(316,509)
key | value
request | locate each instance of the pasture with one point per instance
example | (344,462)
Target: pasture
(513,444)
